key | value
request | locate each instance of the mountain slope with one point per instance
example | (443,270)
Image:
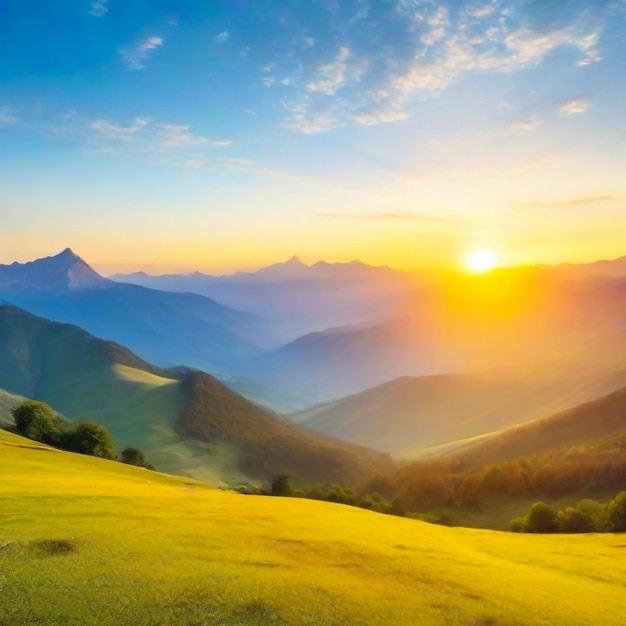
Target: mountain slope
(586,426)
(127,546)
(187,421)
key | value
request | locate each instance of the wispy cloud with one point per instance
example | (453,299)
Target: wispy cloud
(7,117)
(137,57)
(143,137)
(99,8)
(527,124)
(575,107)
(222,37)
(331,77)
(384,215)
(569,203)
(177,136)
(435,45)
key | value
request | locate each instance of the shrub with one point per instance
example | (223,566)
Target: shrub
(541,518)
(37,421)
(134,456)
(93,439)
(517,525)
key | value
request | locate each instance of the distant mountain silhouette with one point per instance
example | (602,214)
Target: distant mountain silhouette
(301,298)
(63,272)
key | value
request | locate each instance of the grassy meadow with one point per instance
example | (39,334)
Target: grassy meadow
(86,541)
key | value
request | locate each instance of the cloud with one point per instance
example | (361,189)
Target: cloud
(177,136)
(384,215)
(570,203)
(575,107)
(309,41)
(433,46)
(110,130)
(527,124)
(222,37)
(7,117)
(331,77)
(99,8)
(137,57)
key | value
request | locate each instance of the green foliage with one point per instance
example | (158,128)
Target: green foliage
(92,439)
(575,520)
(37,421)
(282,485)
(134,456)
(616,513)
(541,518)
(517,525)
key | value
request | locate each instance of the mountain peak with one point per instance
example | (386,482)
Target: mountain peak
(62,272)
(294,261)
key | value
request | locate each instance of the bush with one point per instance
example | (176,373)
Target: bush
(134,456)
(541,518)
(517,525)
(92,439)
(37,421)
(575,520)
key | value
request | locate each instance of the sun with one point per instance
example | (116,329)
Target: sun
(480,261)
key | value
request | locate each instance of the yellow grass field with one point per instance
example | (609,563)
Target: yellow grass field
(85,541)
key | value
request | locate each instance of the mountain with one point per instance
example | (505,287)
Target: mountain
(411,415)
(187,421)
(166,328)
(65,271)
(512,318)
(301,298)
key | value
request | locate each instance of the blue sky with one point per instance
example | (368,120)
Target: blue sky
(215,135)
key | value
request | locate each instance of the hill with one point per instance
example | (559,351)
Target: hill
(412,415)
(188,422)
(130,546)
(591,425)
(8,402)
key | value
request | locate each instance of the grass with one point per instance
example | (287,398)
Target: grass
(85,541)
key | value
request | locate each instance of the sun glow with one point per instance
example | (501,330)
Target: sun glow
(480,261)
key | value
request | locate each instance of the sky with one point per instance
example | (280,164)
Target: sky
(216,135)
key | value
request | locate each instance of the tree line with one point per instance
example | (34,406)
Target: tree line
(588,516)
(38,422)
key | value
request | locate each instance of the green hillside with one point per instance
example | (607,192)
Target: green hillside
(227,438)
(128,546)
(7,403)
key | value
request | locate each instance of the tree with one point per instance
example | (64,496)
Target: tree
(616,513)
(541,518)
(134,456)
(575,520)
(282,485)
(37,421)
(93,439)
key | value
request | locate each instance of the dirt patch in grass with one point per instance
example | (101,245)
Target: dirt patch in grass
(53,547)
